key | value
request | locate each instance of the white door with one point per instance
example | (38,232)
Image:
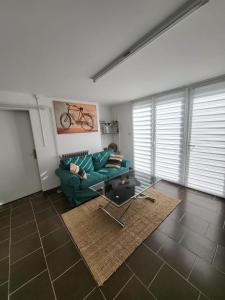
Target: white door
(19,174)
(207,140)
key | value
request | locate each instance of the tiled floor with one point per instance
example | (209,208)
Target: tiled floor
(183,259)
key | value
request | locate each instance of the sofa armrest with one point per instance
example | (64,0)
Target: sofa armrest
(67,177)
(126,163)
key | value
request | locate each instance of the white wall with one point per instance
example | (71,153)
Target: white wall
(47,142)
(123,114)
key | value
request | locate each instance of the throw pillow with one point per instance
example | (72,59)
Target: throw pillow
(114,161)
(75,169)
(101,158)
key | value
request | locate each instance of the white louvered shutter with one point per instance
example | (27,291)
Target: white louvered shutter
(169,135)
(142,137)
(207,140)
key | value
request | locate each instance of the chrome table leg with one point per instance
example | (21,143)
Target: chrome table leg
(111,216)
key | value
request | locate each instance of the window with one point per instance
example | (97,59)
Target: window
(169,119)
(180,137)
(142,137)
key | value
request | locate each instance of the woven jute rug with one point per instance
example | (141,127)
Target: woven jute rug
(104,244)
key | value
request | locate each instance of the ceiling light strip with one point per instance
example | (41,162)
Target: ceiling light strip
(182,12)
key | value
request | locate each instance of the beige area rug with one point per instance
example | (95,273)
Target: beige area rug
(104,244)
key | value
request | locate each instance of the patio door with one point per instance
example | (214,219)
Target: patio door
(206,157)
(180,137)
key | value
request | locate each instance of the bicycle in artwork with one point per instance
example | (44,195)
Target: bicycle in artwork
(76,115)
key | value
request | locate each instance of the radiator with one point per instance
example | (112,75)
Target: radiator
(74,154)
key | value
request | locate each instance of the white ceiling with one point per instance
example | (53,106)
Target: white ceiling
(52,47)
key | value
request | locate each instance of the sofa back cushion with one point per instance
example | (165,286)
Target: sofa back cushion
(114,161)
(101,158)
(84,162)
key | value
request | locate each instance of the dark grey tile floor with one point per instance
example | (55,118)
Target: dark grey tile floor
(183,259)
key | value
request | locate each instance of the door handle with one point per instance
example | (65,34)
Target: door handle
(34,153)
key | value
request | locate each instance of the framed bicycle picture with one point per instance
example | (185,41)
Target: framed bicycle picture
(75,117)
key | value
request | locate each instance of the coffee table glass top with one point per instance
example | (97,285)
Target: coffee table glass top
(121,189)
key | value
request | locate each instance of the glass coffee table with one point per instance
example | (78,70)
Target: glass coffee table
(122,190)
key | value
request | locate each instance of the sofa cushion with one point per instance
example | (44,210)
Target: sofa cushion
(101,158)
(114,161)
(84,162)
(92,178)
(112,172)
(76,170)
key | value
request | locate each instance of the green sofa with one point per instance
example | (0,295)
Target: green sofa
(77,190)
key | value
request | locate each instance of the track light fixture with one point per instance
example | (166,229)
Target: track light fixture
(186,9)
